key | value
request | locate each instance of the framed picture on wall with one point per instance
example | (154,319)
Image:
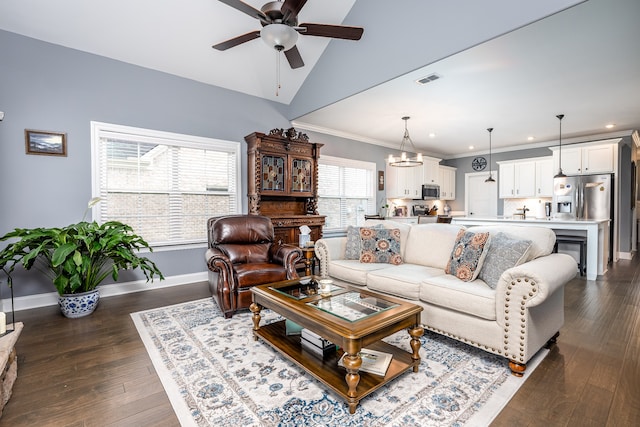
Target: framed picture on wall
(45,143)
(380,180)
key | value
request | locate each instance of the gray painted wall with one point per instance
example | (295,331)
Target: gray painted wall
(464,166)
(49,87)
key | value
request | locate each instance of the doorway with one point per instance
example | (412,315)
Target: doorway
(481,198)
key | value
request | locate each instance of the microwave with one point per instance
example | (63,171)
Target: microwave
(430,192)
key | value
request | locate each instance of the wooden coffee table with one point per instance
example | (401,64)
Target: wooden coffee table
(349,317)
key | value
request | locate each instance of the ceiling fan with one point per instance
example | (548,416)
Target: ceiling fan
(280,28)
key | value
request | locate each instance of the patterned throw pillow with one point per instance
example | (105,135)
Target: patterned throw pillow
(354,246)
(502,254)
(380,245)
(467,255)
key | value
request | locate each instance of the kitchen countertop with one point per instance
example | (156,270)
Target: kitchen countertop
(531,220)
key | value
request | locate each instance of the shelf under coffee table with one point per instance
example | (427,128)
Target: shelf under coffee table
(339,322)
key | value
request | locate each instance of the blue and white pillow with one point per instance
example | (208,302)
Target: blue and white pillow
(504,253)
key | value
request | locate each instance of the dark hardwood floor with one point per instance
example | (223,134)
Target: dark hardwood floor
(95,371)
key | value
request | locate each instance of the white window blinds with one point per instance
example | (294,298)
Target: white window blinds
(164,185)
(346,191)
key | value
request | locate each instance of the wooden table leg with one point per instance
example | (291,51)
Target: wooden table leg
(255,309)
(416,332)
(352,362)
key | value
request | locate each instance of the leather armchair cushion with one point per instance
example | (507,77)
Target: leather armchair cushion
(258,274)
(246,253)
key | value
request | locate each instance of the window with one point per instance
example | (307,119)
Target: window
(162,184)
(346,191)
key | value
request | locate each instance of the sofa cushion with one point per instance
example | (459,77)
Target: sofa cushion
(474,298)
(467,255)
(380,245)
(401,280)
(542,239)
(352,271)
(430,244)
(354,245)
(503,253)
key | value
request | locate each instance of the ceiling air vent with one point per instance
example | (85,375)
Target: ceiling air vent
(427,79)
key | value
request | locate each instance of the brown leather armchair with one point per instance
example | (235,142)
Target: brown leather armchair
(242,253)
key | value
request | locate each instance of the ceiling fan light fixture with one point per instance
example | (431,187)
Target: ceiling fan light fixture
(404,161)
(279,36)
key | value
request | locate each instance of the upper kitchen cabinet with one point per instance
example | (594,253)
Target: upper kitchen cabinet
(431,171)
(544,177)
(517,179)
(406,182)
(447,181)
(584,159)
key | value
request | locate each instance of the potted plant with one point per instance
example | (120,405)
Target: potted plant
(78,258)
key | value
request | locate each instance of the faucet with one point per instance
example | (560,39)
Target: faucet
(523,214)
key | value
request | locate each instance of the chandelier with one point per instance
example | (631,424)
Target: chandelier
(404,160)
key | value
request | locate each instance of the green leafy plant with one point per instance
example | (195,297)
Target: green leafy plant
(80,256)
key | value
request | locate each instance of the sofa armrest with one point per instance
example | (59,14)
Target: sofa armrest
(544,276)
(329,249)
(287,255)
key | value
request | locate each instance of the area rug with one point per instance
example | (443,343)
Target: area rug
(215,374)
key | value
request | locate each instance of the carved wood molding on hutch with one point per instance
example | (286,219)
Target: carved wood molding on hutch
(282,180)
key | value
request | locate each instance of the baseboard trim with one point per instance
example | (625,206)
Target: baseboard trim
(51,298)
(626,255)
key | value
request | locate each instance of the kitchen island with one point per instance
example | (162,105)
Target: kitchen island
(597,232)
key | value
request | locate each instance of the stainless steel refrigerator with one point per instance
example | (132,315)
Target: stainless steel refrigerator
(584,197)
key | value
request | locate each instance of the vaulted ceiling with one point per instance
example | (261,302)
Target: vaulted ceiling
(502,64)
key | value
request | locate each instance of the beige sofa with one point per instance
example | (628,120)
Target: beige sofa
(515,320)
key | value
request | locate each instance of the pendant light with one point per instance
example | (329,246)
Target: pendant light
(560,174)
(404,160)
(490,179)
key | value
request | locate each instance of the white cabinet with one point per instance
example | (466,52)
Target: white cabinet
(517,179)
(544,177)
(431,170)
(585,159)
(406,183)
(447,180)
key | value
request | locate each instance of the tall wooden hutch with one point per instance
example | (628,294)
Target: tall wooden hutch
(283,182)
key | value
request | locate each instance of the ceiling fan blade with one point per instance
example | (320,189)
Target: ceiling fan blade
(291,8)
(294,58)
(237,40)
(334,31)
(245,8)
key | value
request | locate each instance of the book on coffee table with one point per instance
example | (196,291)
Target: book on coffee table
(318,351)
(374,362)
(314,338)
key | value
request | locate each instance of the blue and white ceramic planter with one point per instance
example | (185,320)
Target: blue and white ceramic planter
(79,305)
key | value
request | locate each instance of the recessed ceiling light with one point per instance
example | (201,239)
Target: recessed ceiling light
(531,138)
(610,125)
(432,135)
(471,147)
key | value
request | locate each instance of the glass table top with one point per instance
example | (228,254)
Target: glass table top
(352,306)
(306,287)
